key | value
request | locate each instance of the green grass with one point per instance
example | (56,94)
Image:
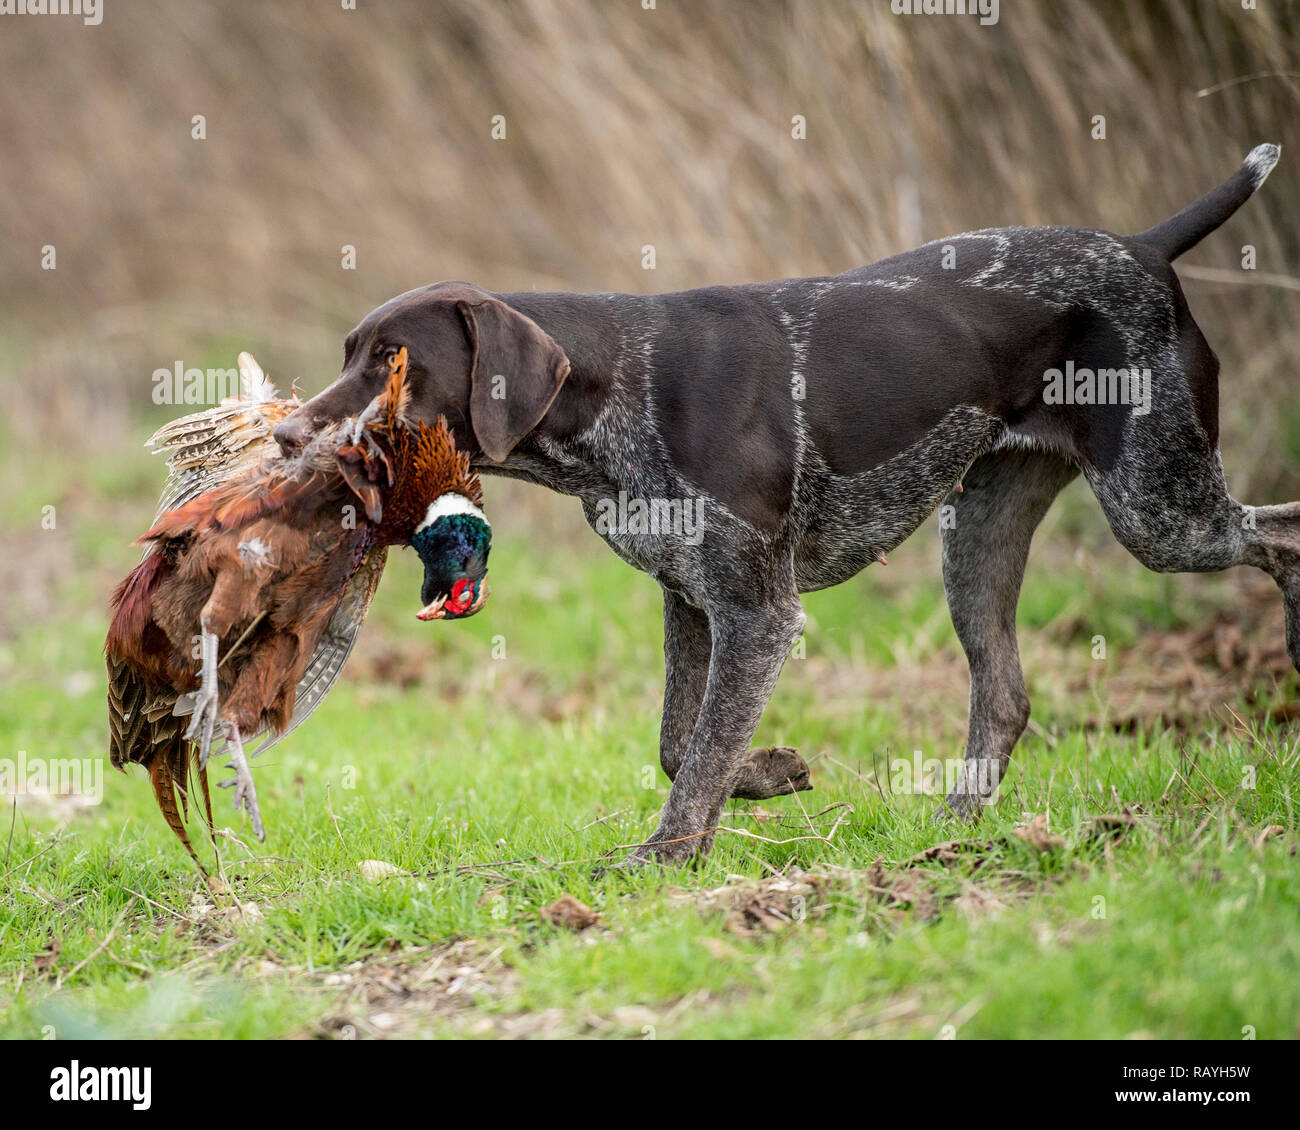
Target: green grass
(496,782)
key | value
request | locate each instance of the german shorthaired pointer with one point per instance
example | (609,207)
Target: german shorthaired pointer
(815,423)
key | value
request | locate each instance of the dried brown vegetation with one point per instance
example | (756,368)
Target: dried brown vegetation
(625,127)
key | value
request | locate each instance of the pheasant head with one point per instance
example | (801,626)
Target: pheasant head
(453,542)
(419,490)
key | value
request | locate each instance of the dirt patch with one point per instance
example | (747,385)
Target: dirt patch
(766,906)
(1184,676)
(1037,834)
(394,996)
(568,913)
(754,908)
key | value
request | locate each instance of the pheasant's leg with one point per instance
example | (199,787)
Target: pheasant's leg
(205,707)
(245,792)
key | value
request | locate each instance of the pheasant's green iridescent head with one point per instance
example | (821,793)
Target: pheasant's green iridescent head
(453,542)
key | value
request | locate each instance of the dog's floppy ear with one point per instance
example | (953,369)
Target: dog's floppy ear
(515,372)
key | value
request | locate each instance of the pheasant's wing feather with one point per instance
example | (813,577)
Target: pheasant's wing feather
(209,452)
(142,729)
(255,384)
(207,448)
(335,644)
(127,722)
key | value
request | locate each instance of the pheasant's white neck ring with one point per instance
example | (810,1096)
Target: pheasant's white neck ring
(447,504)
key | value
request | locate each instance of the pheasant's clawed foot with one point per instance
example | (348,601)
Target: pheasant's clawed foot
(207,702)
(245,792)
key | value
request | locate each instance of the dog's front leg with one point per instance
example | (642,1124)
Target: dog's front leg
(767,772)
(748,649)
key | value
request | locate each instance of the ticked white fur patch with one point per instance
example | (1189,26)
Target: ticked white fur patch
(1261,160)
(447,504)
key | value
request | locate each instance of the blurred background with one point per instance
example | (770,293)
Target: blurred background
(372,129)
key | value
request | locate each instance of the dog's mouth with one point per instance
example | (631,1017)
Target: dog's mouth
(466,598)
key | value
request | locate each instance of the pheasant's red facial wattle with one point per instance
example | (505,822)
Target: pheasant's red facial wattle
(462,596)
(464,600)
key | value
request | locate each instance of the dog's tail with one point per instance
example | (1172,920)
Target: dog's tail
(1184,231)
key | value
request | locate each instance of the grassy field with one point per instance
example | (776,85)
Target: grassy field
(1137,878)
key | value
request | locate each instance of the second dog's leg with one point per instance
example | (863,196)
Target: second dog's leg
(1004,498)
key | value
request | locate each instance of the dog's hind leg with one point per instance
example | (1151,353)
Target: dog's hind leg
(767,772)
(686,668)
(1005,495)
(1159,477)
(1274,546)
(1171,509)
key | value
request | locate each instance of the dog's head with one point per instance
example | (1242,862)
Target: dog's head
(491,371)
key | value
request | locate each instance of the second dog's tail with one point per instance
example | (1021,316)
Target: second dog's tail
(1184,231)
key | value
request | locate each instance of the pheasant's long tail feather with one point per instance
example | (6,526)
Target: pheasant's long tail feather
(167,772)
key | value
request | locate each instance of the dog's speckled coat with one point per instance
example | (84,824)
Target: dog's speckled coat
(820,421)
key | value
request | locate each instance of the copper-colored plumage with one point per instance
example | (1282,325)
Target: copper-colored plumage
(274,561)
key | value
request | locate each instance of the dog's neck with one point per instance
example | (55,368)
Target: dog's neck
(584,446)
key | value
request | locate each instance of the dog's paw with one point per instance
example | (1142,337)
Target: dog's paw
(625,868)
(958,806)
(654,856)
(772,771)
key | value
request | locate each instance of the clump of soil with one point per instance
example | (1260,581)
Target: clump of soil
(569,913)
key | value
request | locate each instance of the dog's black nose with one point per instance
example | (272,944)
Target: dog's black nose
(291,434)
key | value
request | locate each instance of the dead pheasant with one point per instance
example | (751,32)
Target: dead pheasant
(254,587)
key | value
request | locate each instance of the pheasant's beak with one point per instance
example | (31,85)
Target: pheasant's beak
(441,609)
(433,611)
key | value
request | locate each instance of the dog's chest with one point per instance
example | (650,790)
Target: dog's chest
(650,531)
